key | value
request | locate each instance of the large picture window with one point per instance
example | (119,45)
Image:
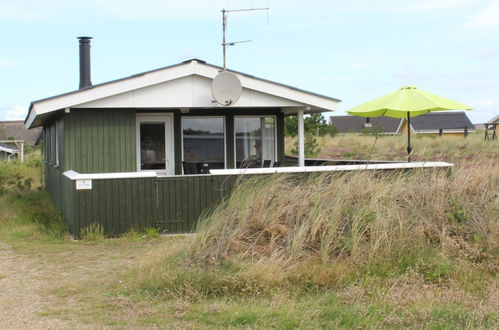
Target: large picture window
(203,143)
(255,141)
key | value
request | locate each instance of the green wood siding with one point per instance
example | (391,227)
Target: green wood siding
(58,186)
(100,140)
(170,204)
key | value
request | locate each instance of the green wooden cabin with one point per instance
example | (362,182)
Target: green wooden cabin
(159,148)
(139,152)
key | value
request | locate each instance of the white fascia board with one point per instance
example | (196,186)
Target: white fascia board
(72,175)
(31,117)
(333,168)
(274,89)
(118,87)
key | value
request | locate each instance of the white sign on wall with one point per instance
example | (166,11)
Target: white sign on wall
(83,184)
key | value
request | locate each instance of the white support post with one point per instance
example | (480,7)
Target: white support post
(22,151)
(301,139)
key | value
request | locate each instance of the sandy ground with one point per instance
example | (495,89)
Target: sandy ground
(23,282)
(29,283)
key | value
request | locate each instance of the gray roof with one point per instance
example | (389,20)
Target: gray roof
(16,130)
(494,120)
(11,148)
(445,120)
(355,124)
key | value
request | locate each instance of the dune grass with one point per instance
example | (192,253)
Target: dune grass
(394,249)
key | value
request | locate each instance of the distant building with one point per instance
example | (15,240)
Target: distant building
(8,151)
(355,124)
(494,120)
(445,122)
(15,130)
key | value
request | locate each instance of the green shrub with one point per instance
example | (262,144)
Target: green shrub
(312,148)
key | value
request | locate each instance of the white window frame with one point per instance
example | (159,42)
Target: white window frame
(255,116)
(152,118)
(224,119)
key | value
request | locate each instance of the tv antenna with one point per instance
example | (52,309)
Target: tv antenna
(225,13)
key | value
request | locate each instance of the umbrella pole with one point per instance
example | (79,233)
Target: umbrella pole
(409,148)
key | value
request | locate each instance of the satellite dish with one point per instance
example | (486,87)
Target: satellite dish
(226,88)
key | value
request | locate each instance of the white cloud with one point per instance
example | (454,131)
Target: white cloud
(487,17)
(13,113)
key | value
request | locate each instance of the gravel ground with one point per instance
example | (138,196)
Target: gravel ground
(36,284)
(23,281)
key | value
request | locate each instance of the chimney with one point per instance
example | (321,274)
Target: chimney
(85,62)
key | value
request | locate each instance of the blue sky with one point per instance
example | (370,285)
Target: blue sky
(352,50)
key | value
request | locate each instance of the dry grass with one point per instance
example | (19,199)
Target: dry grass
(372,250)
(453,149)
(386,220)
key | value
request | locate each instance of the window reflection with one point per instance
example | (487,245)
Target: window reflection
(255,141)
(152,146)
(203,141)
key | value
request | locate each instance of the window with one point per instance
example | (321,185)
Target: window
(155,143)
(255,141)
(203,140)
(152,146)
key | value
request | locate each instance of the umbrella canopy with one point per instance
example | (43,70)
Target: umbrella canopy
(406,99)
(406,102)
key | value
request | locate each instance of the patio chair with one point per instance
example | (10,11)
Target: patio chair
(189,168)
(267,163)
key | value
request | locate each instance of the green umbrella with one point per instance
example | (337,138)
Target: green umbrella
(406,102)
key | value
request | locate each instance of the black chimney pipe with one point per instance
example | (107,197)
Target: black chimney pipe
(85,80)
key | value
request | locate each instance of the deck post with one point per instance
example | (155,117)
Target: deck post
(301,139)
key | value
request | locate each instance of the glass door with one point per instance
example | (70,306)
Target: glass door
(155,143)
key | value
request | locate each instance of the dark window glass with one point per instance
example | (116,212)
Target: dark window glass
(203,142)
(255,141)
(152,146)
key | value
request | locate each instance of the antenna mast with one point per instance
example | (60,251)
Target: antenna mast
(224,30)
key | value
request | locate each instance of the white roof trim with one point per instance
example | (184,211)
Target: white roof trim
(9,150)
(170,73)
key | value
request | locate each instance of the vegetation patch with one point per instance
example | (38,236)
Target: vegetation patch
(328,232)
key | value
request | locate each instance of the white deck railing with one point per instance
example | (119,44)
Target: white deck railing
(72,175)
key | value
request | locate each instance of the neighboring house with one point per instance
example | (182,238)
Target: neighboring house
(8,151)
(356,124)
(491,128)
(445,122)
(494,120)
(117,153)
(15,130)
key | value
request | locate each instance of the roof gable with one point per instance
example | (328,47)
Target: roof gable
(256,91)
(191,92)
